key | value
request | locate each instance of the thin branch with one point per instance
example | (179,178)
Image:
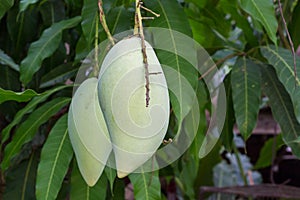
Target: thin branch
(145,59)
(290,41)
(103,22)
(139,30)
(283,39)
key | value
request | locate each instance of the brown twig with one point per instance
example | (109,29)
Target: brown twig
(290,41)
(139,27)
(139,30)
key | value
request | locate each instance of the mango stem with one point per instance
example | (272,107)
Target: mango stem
(103,22)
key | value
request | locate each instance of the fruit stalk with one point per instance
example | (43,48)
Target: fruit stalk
(140,29)
(103,22)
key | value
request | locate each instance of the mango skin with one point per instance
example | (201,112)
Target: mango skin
(88,132)
(136,131)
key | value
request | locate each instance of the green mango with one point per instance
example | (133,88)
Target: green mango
(88,132)
(136,131)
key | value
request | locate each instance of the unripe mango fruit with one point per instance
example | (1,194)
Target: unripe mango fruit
(88,132)
(136,131)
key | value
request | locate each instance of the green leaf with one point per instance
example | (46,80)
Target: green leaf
(43,48)
(146,186)
(211,27)
(264,12)
(193,123)
(204,35)
(265,155)
(81,191)
(181,81)
(20,180)
(111,176)
(58,75)
(246,92)
(9,79)
(206,164)
(198,3)
(119,189)
(52,11)
(21,33)
(227,131)
(28,128)
(282,61)
(82,50)
(173,18)
(231,6)
(188,175)
(90,18)
(54,162)
(177,59)
(27,109)
(6,60)
(282,109)
(8,95)
(117,20)
(25,3)
(195,126)
(5,6)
